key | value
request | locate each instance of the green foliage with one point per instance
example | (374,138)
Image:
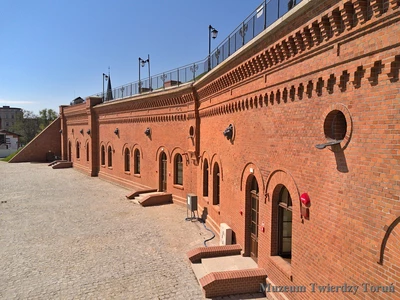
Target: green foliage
(8,158)
(28,125)
(46,116)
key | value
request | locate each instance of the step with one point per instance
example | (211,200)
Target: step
(62,165)
(155,198)
(199,271)
(228,263)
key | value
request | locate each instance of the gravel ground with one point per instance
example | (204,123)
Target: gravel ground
(65,235)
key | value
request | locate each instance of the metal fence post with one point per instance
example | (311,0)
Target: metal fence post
(265,14)
(279,4)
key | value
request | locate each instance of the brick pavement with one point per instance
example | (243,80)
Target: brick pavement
(89,242)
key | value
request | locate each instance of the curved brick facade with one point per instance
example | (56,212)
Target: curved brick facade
(324,62)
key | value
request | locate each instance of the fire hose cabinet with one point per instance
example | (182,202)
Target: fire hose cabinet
(192,202)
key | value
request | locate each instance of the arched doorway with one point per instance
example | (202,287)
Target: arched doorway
(252,217)
(163,172)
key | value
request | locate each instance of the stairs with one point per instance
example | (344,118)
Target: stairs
(223,271)
(152,198)
(61,164)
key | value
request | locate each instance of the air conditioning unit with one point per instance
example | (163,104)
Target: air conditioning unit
(191,202)
(225,235)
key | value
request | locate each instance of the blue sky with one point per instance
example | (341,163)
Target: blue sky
(54,51)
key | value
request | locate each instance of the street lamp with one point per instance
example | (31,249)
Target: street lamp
(142,63)
(212,33)
(105,77)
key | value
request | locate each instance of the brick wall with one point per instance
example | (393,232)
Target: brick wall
(46,142)
(286,92)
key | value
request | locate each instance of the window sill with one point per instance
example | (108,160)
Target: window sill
(178,186)
(205,199)
(216,208)
(127,173)
(103,166)
(110,168)
(137,175)
(284,266)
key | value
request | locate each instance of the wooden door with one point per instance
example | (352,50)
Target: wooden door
(163,172)
(254,226)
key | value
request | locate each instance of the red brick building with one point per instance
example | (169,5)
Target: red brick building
(310,106)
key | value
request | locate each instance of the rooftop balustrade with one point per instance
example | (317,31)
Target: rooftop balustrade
(266,14)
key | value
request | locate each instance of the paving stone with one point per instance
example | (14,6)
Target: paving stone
(65,235)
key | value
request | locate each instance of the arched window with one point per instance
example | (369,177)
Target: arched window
(137,161)
(205,178)
(69,151)
(178,169)
(109,156)
(216,179)
(285,224)
(127,160)
(103,155)
(87,151)
(78,150)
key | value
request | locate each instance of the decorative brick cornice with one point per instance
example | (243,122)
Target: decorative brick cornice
(144,119)
(385,69)
(179,97)
(71,122)
(78,110)
(314,34)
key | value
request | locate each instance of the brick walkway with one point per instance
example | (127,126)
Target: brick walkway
(65,235)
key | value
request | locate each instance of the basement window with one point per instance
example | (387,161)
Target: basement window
(335,129)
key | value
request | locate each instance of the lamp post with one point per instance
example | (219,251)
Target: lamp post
(212,33)
(142,62)
(105,77)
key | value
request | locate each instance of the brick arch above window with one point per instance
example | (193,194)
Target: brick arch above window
(179,150)
(163,149)
(109,144)
(246,172)
(125,146)
(388,234)
(284,178)
(203,157)
(138,147)
(215,158)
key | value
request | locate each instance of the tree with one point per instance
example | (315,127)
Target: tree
(27,125)
(46,116)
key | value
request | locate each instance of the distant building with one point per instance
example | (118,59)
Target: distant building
(78,100)
(8,115)
(9,142)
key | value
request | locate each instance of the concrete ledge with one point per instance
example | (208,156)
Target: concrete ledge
(54,162)
(62,165)
(233,282)
(156,199)
(195,255)
(137,193)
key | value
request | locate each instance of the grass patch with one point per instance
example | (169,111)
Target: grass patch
(8,158)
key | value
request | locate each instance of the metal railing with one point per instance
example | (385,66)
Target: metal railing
(261,18)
